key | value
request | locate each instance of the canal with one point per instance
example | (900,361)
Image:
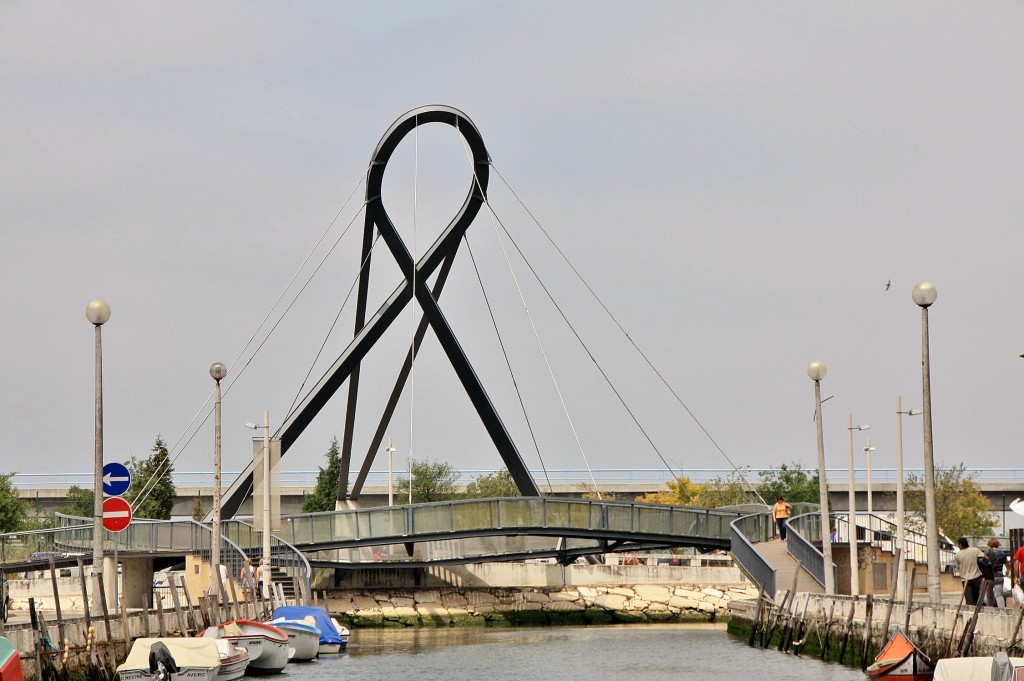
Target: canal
(635,652)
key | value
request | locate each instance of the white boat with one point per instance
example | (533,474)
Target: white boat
(998,666)
(333,636)
(171,659)
(233,660)
(303,637)
(267,645)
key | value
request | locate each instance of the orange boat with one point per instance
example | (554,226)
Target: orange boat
(901,660)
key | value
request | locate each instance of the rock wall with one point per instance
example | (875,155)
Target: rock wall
(582,604)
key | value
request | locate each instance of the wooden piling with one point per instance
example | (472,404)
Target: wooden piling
(869,606)
(146,631)
(85,593)
(37,636)
(126,629)
(56,602)
(956,620)
(909,604)
(160,617)
(967,640)
(182,623)
(188,599)
(828,629)
(757,615)
(892,595)
(848,631)
(234,598)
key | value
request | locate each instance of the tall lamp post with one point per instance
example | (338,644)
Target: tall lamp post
(816,370)
(924,295)
(266,571)
(901,531)
(854,571)
(867,451)
(391,483)
(98,312)
(217,372)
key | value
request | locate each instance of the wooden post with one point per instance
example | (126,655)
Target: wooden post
(1016,630)
(828,629)
(234,598)
(145,620)
(968,637)
(204,613)
(126,628)
(757,615)
(956,620)
(182,624)
(160,617)
(849,629)
(909,605)
(106,613)
(191,608)
(799,635)
(37,637)
(785,604)
(869,607)
(56,603)
(892,596)
(85,593)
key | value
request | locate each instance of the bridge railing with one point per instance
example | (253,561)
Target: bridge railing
(441,518)
(881,533)
(747,531)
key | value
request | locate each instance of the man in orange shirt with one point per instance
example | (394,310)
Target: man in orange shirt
(780,511)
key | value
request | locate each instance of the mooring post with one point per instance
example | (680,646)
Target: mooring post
(757,615)
(892,596)
(909,604)
(849,630)
(968,637)
(828,627)
(56,605)
(869,607)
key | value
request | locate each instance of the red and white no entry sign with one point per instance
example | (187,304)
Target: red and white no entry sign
(117,514)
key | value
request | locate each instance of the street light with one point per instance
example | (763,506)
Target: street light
(98,313)
(391,485)
(924,295)
(265,573)
(867,450)
(901,532)
(816,370)
(217,372)
(854,572)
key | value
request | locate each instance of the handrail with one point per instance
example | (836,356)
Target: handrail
(745,532)
(282,553)
(881,533)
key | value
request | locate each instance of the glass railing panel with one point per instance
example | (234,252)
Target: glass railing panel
(474,515)
(521,512)
(430,519)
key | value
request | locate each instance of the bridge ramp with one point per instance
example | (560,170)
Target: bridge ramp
(775,552)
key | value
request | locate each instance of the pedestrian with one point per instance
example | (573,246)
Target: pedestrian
(1018,563)
(259,577)
(967,567)
(247,579)
(780,512)
(997,557)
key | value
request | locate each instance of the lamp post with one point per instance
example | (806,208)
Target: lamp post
(98,312)
(901,531)
(265,573)
(217,372)
(391,483)
(867,450)
(854,571)
(924,295)
(816,370)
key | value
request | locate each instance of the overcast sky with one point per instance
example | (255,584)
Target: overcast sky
(737,182)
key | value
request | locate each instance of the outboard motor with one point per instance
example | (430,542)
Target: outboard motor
(161,662)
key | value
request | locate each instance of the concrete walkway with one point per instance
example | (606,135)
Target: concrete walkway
(785,566)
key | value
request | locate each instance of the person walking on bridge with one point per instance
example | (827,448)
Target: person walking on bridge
(780,512)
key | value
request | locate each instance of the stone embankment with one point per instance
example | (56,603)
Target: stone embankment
(581,604)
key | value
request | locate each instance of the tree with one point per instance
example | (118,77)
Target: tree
(323,497)
(80,502)
(152,491)
(13,511)
(431,481)
(684,492)
(961,510)
(793,482)
(197,509)
(492,486)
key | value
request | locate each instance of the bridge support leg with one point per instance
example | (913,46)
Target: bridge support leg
(136,582)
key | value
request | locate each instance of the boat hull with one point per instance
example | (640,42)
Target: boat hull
(10,662)
(267,645)
(901,660)
(303,639)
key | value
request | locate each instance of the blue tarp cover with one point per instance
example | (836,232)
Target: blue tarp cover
(328,633)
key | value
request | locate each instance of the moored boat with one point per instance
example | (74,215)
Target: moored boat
(233,660)
(303,638)
(901,660)
(333,636)
(170,659)
(267,645)
(10,662)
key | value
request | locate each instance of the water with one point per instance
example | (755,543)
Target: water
(604,653)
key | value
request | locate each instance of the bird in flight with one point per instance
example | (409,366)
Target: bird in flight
(888,284)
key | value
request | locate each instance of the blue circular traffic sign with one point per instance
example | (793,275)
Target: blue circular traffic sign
(116,479)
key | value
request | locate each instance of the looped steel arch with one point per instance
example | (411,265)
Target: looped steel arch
(438,258)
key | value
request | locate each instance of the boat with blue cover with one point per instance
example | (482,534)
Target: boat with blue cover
(333,636)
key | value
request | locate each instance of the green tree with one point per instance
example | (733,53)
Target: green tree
(794,482)
(684,492)
(492,486)
(80,502)
(680,492)
(152,490)
(961,510)
(323,497)
(13,511)
(725,491)
(431,481)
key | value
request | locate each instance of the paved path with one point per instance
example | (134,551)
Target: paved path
(785,566)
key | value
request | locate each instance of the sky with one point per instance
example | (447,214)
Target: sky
(745,187)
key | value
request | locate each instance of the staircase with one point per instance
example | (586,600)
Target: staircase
(279,576)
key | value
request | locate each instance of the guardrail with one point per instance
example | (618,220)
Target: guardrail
(283,555)
(561,476)
(747,531)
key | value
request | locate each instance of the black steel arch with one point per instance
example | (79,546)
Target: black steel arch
(414,284)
